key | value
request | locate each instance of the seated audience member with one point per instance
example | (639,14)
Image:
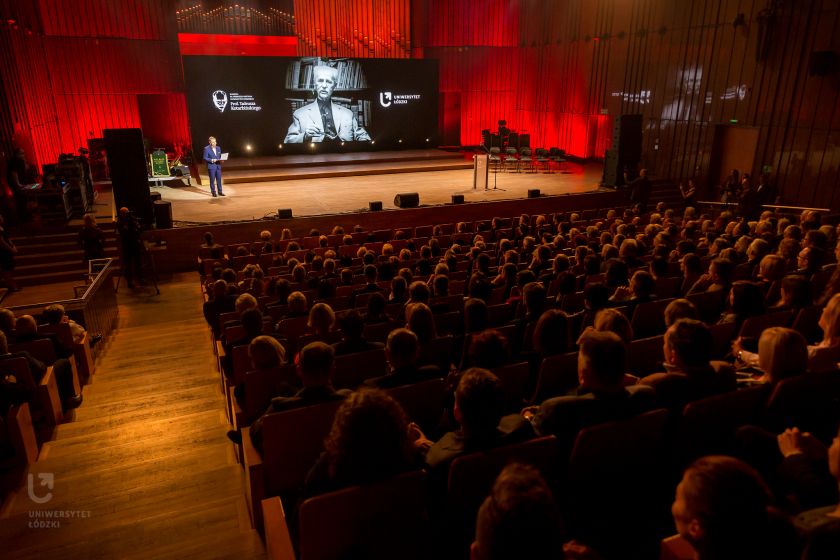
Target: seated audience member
(353,339)
(421,321)
(642,286)
(689,374)
(268,355)
(62,369)
(488,349)
(321,323)
(691,268)
(601,397)
(822,357)
(551,334)
(771,271)
(369,442)
(722,508)
(418,292)
(745,300)
(369,287)
(819,526)
(315,366)
(26,330)
(7,322)
(796,294)
(782,353)
(402,351)
(614,321)
(478,410)
(718,279)
(375,312)
(14,389)
(297,306)
(680,309)
(399,290)
(595,298)
(54,314)
(220,302)
(519,519)
(809,261)
(252,324)
(533,298)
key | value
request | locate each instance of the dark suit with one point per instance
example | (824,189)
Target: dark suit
(675,389)
(565,416)
(352,346)
(512,429)
(214,169)
(405,376)
(307,396)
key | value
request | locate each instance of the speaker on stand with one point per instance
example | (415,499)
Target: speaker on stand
(129,174)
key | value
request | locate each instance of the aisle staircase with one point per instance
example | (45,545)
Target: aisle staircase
(146,454)
(55,257)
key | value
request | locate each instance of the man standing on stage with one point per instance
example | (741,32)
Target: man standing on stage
(213,155)
(322,120)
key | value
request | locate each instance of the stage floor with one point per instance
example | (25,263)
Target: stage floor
(336,195)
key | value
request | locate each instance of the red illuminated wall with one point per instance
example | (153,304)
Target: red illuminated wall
(356,28)
(504,59)
(79,66)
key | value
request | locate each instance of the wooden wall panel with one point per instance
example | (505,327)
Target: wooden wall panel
(685,66)
(354,28)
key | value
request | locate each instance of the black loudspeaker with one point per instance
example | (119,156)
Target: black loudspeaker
(284,213)
(626,151)
(533,193)
(457,199)
(822,63)
(407,200)
(129,175)
(163,214)
(155,196)
(375,205)
(613,173)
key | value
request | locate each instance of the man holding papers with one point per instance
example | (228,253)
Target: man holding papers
(213,156)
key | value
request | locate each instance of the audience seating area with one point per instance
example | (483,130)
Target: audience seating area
(594,260)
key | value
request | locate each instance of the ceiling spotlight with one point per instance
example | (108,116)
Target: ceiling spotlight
(400,140)
(280,146)
(248,147)
(312,145)
(427,139)
(373,141)
(342,143)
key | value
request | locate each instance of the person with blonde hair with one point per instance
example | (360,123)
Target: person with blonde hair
(782,353)
(821,357)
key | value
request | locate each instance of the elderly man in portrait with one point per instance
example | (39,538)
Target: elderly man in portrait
(323,120)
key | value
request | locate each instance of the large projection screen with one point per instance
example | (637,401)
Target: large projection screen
(266,106)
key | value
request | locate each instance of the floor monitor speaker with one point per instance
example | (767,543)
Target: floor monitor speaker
(163,214)
(407,200)
(375,205)
(284,213)
(533,193)
(457,199)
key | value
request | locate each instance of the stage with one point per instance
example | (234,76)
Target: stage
(340,183)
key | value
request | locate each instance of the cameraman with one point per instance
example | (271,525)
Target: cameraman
(131,246)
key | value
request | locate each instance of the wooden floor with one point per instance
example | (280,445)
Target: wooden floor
(313,197)
(146,459)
